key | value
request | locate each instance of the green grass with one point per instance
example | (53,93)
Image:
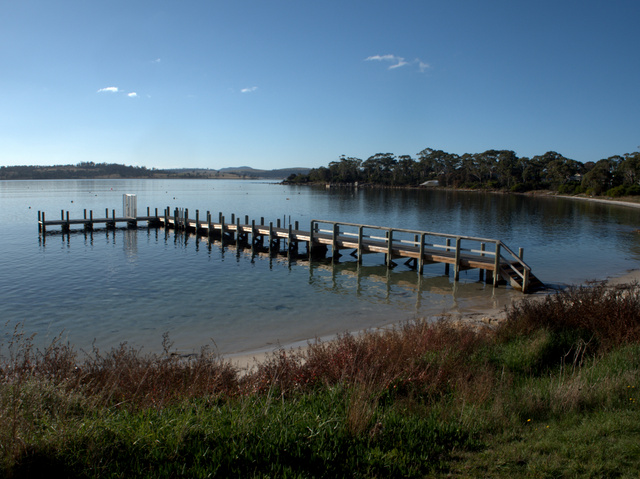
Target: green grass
(552,392)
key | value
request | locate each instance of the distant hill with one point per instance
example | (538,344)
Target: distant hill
(110,170)
(247,171)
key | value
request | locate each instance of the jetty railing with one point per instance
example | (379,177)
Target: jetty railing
(464,252)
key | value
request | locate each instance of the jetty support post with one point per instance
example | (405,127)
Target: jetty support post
(88,225)
(43,227)
(389,236)
(421,255)
(448,248)
(334,241)
(481,274)
(253,237)
(270,238)
(525,272)
(360,230)
(456,268)
(240,238)
(65,226)
(496,266)
(39,221)
(289,243)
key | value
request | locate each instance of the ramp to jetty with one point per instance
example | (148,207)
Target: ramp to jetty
(496,262)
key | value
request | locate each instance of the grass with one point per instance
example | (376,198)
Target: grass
(551,392)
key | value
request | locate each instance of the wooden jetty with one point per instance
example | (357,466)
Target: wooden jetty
(496,262)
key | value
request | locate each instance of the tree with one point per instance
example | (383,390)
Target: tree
(378,168)
(346,170)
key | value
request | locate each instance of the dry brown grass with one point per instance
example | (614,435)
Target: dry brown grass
(414,358)
(606,316)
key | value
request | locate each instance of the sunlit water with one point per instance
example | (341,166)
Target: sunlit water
(134,285)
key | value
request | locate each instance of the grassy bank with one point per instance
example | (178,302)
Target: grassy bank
(551,392)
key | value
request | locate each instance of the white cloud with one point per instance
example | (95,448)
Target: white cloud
(110,89)
(249,90)
(157,60)
(397,61)
(400,63)
(381,57)
(421,65)
(133,94)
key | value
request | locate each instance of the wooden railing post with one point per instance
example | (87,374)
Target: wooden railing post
(456,267)
(389,247)
(270,236)
(421,257)
(448,247)
(360,229)
(525,281)
(496,266)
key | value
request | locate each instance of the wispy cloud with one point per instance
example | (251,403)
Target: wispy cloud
(110,89)
(249,90)
(157,60)
(421,65)
(397,62)
(115,89)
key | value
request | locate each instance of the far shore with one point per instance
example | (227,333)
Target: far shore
(484,317)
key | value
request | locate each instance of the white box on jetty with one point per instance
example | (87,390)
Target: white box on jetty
(129,206)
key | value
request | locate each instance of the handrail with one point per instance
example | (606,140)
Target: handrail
(510,258)
(526,269)
(402,230)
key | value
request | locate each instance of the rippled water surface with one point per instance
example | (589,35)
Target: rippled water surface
(135,285)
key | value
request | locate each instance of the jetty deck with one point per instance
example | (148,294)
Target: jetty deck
(496,262)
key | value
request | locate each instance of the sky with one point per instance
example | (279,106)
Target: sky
(285,83)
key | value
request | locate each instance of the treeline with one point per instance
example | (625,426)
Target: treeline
(80,171)
(492,169)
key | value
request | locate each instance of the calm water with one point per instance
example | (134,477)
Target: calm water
(135,285)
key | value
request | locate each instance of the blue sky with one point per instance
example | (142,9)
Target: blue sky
(275,84)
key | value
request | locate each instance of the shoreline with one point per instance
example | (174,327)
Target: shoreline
(246,362)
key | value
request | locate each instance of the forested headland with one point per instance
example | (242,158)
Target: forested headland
(615,176)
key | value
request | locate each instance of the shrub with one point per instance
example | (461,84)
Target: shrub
(633,190)
(617,191)
(521,187)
